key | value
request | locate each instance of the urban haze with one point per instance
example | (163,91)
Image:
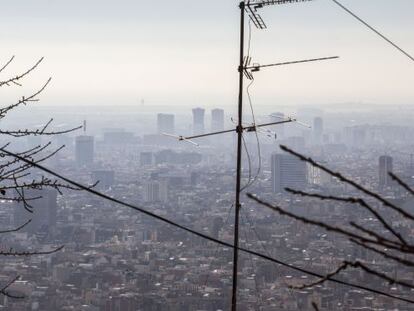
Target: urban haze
(315,180)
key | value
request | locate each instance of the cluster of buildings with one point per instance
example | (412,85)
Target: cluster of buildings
(116,259)
(166,122)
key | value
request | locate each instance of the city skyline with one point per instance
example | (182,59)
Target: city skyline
(176,194)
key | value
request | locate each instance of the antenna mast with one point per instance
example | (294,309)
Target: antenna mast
(239,130)
(246,70)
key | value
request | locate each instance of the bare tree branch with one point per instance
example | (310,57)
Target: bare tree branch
(382,242)
(356,264)
(43,132)
(4,290)
(351,200)
(15,173)
(367,238)
(7,64)
(315,306)
(204,236)
(18,228)
(19,77)
(20,192)
(13,253)
(349,182)
(401,183)
(402,261)
(24,100)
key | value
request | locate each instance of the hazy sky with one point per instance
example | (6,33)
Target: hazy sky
(185,52)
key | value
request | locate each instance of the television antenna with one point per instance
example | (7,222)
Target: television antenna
(247,69)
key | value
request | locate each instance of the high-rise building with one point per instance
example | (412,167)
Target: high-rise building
(198,121)
(287,171)
(385,166)
(217,120)
(84,150)
(165,123)
(318,129)
(156,191)
(44,206)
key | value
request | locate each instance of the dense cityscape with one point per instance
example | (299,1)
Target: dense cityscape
(116,259)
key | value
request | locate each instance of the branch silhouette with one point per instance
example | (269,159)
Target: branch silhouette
(202,235)
(15,175)
(350,182)
(351,200)
(4,290)
(397,249)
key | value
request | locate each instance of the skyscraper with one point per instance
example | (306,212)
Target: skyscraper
(217,120)
(287,171)
(44,210)
(198,121)
(385,166)
(156,191)
(84,150)
(165,123)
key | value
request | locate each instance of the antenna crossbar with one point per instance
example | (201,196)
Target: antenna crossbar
(249,8)
(259,4)
(255,17)
(252,6)
(249,128)
(256,67)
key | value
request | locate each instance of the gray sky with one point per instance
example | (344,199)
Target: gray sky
(185,52)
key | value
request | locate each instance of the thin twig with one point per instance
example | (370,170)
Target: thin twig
(349,182)
(4,291)
(38,132)
(18,228)
(390,280)
(7,64)
(24,100)
(13,253)
(383,242)
(201,235)
(402,261)
(18,77)
(315,306)
(401,182)
(351,200)
(357,265)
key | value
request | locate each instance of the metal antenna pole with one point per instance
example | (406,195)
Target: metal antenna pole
(245,69)
(239,131)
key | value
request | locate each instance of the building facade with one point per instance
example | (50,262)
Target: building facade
(84,150)
(198,121)
(217,120)
(43,203)
(287,171)
(385,166)
(165,123)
